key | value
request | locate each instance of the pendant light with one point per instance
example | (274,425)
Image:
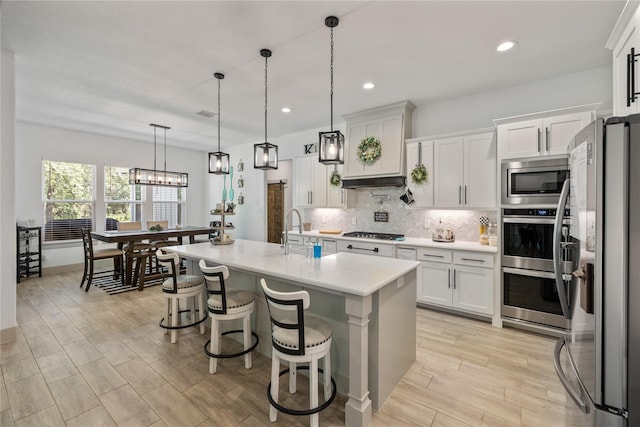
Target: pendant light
(265,155)
(154,176)
(331,144)
(219,161)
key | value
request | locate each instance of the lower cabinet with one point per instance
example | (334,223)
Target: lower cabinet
(456,279)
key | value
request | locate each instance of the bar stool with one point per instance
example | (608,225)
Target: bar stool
(298,338)
(223,305)
(180,286)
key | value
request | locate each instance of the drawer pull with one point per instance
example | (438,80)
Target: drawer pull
(434,256)
(362,249)
(472,259)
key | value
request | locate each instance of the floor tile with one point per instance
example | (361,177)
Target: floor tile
(96,417)
(49,417)
(82,352)
(101,376)
(5,419)
(28,396)
(174,408)
(4,398)
(73,396)
(19,369)
(43,345)
(67,334)
(127,408)
(56,366)
(34,329)
(140,376)
(116,352)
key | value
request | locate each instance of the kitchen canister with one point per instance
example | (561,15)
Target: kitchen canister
(484,230)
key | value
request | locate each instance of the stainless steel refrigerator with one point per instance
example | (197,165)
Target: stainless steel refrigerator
(597,269)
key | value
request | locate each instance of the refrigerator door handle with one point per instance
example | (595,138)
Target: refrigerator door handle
(579,400)
(557,253)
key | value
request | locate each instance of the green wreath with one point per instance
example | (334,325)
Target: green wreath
(335,178)
(419,174)
(369,150)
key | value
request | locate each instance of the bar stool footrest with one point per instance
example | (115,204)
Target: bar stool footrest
(232,355)
(302,412)
(182,326)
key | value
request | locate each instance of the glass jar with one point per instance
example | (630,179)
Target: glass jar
(493,236)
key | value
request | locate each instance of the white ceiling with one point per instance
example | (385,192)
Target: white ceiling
(113,67)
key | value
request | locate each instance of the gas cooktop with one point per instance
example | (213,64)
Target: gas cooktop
(372,235)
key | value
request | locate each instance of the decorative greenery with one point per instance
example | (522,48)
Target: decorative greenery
(369,150)
(156,227)
(419,175)
(335,178)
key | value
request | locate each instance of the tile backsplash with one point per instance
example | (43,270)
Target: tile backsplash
(402,220)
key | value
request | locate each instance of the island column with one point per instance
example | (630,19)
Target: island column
(358,407)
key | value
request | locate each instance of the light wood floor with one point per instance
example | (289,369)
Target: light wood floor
(90,359)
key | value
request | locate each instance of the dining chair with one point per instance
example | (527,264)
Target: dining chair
(91,255)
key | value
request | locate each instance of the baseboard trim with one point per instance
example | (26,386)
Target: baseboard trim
(8,335)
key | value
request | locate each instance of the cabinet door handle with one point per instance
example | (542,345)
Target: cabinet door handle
(449,275)
(539,140)
(472,259)
(459,194)
(629,78)
(434,256)
(631,75)
(546,137)
(342,197)
(454,278)
(311,197)
(465,194)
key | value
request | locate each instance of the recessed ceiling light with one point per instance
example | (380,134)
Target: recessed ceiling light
(502,47)
(368,85)
(286,109)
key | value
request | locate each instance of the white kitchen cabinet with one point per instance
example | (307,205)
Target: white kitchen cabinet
(422,193)
(309,182)
(366,248)
(625,41)
(336,195)
(456,279)
(391,124)
(329,246)
(540,136)
(465,171)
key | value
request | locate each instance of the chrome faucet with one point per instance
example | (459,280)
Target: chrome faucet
(286,228)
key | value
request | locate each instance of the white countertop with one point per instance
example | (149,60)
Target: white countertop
(458,245)
(342,272)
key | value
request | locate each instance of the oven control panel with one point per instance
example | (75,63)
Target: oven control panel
(533,212)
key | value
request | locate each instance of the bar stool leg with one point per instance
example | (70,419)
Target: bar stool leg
(175,314)
(326,376)
(214,346)
(275,385)
(292,377)
(313,390)
(167,317)
(201,312)
(246,334)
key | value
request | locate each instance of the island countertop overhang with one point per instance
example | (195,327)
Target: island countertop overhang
(348,273)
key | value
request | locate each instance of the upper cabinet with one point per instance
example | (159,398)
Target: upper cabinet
(420,151)
(390,124)
(312,187)
(465,171)
(625,44)
(541,134)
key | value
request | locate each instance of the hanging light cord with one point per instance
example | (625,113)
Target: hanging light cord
(154,148)
(165,151)
(265,98)
(218,115)
(331,69)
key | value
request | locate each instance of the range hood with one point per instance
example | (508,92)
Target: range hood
(381,181)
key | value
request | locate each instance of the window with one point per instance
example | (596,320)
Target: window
(68,199)
(168,204)
(123,201)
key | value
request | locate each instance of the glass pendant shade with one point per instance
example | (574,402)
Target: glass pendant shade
(165,178)
(265,156)
(331,148)
(218,163)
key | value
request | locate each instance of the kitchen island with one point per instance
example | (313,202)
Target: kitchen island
(369,303)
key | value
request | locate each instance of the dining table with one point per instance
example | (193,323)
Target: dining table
(131,237)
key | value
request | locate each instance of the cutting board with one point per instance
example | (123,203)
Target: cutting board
(330,231)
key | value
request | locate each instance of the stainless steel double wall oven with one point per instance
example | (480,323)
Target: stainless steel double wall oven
(530,193)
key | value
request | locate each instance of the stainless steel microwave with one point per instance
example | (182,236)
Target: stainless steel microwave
(533,182)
